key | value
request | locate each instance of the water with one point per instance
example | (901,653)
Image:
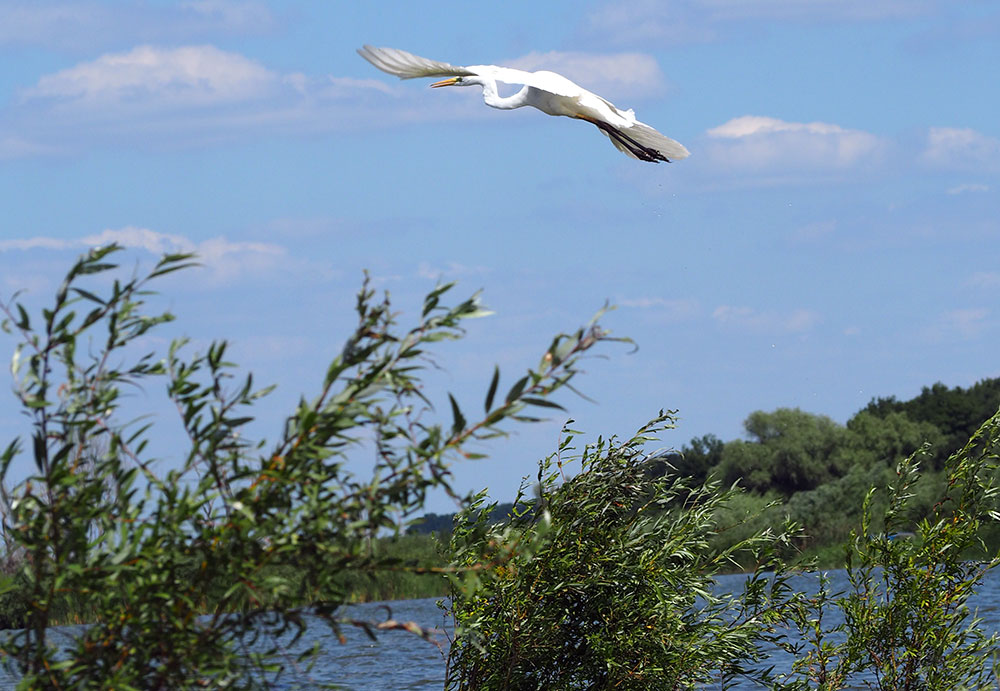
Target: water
(400,660)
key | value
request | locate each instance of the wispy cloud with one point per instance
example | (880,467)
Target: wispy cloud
(153,96)
(957,28)
(748,318)
(616,75)
(968,187)
(646,22)
(756,143)
(987,280)
(664,309)
(148,76)
(815,10)
(961,149)
(226,260)
(93,25)
(965,324)
(649,22)
(232,14)
(450,270)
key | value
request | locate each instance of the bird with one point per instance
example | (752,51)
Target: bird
(549,92)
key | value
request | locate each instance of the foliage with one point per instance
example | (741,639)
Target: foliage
(956,412)
(694,460)
(202,576)
(822,470)
(789,451)
(418,571)
(604,580)
(441,523)
(907,624)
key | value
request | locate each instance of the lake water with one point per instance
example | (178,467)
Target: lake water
(400,660)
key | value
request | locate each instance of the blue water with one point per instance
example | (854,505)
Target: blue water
(401,660)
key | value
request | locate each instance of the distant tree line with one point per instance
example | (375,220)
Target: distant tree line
(817,470)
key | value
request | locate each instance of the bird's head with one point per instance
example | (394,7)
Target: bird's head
(455,81)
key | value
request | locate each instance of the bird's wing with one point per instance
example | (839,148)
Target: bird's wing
(542,80)
(409,66)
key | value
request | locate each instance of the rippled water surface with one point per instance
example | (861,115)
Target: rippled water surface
(400,660)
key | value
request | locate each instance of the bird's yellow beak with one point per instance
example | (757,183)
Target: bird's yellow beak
(446,82)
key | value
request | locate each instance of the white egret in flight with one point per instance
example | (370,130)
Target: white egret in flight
(551,93)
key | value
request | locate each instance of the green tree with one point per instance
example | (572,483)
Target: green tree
(887,439)
(956,412)
(204,575)
(788,451)
(695,460)
(604,580)
(870,450)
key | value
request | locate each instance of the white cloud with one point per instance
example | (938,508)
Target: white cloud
(984,279)
(961,149)
(617,74)
(346,85)
(452,270)
(969,187)
(965,323)
(814,10)
(90,25)
(743,317)
(752,142)
(156,97)
(225,259)
(141,238)
(669,310)
(19,147)
(698,21)
(189,75)
(230,13)
(650,22)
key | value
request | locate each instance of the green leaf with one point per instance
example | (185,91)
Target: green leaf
(542,402)
(493,388)
(23,322)
(97,267)
(459,420)
(516,390)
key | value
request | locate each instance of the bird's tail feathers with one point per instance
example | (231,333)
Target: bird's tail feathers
(648,137)
(643,143)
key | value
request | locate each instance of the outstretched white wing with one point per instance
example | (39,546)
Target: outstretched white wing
(409,66)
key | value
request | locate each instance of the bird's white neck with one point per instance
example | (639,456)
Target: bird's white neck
(495,100)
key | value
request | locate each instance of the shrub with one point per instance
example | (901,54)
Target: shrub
(604,580)
(181,574)
(906,620)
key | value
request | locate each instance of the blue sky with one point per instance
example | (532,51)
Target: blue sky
(834,236)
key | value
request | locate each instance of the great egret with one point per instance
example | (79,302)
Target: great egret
(549,92)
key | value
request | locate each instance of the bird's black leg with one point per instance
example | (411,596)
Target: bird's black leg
(643,153)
